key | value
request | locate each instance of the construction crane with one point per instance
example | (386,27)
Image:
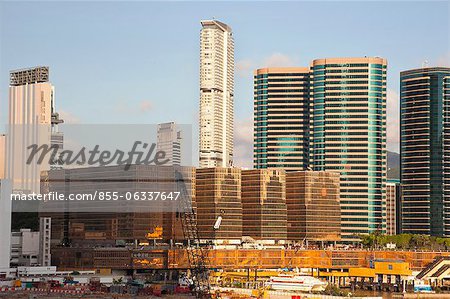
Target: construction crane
(197,254)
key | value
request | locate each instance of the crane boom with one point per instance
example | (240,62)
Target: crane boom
(197,254)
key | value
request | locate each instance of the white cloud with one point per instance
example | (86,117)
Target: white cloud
(244,67)
(278,60)
(145,106)
(68,117)
(243,143)
(393,121)
(444,60)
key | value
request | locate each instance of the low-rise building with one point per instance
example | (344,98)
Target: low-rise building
(313,206)
(24,248)
(218,203)
(264,214)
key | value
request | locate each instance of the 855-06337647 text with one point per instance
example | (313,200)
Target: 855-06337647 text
(99,195)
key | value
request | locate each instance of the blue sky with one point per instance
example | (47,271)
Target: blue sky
(137,62)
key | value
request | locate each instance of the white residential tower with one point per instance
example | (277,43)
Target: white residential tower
(216,95)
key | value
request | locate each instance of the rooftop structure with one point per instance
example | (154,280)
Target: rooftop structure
(32,75)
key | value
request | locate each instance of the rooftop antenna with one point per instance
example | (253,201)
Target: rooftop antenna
(425,63)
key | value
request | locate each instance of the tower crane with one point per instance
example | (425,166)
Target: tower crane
(197,254)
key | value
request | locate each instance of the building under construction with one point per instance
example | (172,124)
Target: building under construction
(141,259)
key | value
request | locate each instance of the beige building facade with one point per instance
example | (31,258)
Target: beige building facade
(216,95)
(391,208)
(30,112)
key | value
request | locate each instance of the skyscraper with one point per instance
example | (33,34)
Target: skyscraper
(281,118)
(169,141)
(216,95)
(2,155)
(5,223)
(349,136)
(425,150)
(30,116)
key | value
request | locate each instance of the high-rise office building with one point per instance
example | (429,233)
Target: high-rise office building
(5,223)
(392,215)
(313,210)
(281,118)
(216,95)
(425,150)
(349,135)
(30,116)
(264,214)
(169,141)
(2,155)
(218,203)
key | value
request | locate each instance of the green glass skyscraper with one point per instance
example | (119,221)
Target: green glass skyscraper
(281,118)
(425,151)
(349,136)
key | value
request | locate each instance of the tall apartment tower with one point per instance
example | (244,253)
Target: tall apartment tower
(169,141)
(349,136)
(281,118)
(425,150)
(216,95)
(30,117)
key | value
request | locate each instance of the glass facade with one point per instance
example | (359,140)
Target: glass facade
(348,104)
(264,204)
(218,194)
(313,210)
(281,118)
(425,117)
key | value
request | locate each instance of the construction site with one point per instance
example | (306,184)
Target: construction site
(243,243)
